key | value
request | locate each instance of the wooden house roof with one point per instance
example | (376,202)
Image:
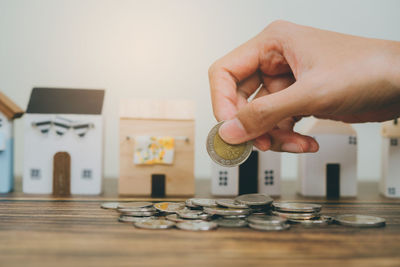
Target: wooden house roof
(318,126)
(9,108)
(65,101)
(157,109)
(391,129)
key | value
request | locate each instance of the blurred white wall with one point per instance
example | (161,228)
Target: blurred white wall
(162,49)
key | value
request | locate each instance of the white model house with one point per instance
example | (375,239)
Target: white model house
(390,178)
(63,142)
(8,112)
(261,173)
(332,171)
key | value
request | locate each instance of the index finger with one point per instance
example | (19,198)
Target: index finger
(226,73)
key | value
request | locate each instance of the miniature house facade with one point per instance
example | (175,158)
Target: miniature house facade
(390,178)
(8,112)
(147,119)
(260,173)
(63,142)
(332,171)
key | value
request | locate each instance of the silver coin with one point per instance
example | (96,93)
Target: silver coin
(204,202)
(226,211)
(231,223)
(231,203)
(155,224)
(131,219)
(262,227)
(139,213)
(109,205)
(189,203)
(295,216)
(193,214)
(197,226)
(357,220)
(175,218)
(169,207)
(148,209)
(254,199)
(320,221)
(132,205)
(296,207)
(234,159)
(266,219)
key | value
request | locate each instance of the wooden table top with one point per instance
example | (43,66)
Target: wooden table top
(49,231)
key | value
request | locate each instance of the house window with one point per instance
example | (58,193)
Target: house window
(352,140)
(394,142)
(35,174)
(391,191)
(223,178)
(87,174)
(269,177)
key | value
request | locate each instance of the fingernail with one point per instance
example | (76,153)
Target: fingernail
(232,131)
(292,148)
(314,146)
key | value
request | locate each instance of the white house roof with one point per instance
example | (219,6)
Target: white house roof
(9,108)
(318,126)
(391,129)
(157,109)
(65,101)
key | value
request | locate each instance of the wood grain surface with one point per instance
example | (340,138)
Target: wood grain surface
(75,231)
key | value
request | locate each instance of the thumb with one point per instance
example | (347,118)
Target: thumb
(262,114)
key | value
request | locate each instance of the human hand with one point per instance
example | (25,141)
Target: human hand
(302,71)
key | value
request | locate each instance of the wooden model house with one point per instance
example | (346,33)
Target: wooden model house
(8,112)
(390,178)
(156,148)
(260,173)
(332,171)
(63,142)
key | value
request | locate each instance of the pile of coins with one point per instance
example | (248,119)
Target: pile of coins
(256,211)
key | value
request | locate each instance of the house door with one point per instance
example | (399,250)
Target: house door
(157,185)
(248,175)
(61,174)
(333,181)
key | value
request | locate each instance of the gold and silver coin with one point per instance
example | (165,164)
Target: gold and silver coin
(254,199)
(231,203)
(109,205)
(357,220)
(197,226)
(262,227)
(296,207)
(133,205)
(231,223)
(169,207)
(225,154)
(155,224)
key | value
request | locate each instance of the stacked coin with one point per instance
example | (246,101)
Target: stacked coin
(306,214)
(257,211)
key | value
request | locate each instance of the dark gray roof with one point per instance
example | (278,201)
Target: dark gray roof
(65,101)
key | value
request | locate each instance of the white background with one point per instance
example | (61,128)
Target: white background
(162,49)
